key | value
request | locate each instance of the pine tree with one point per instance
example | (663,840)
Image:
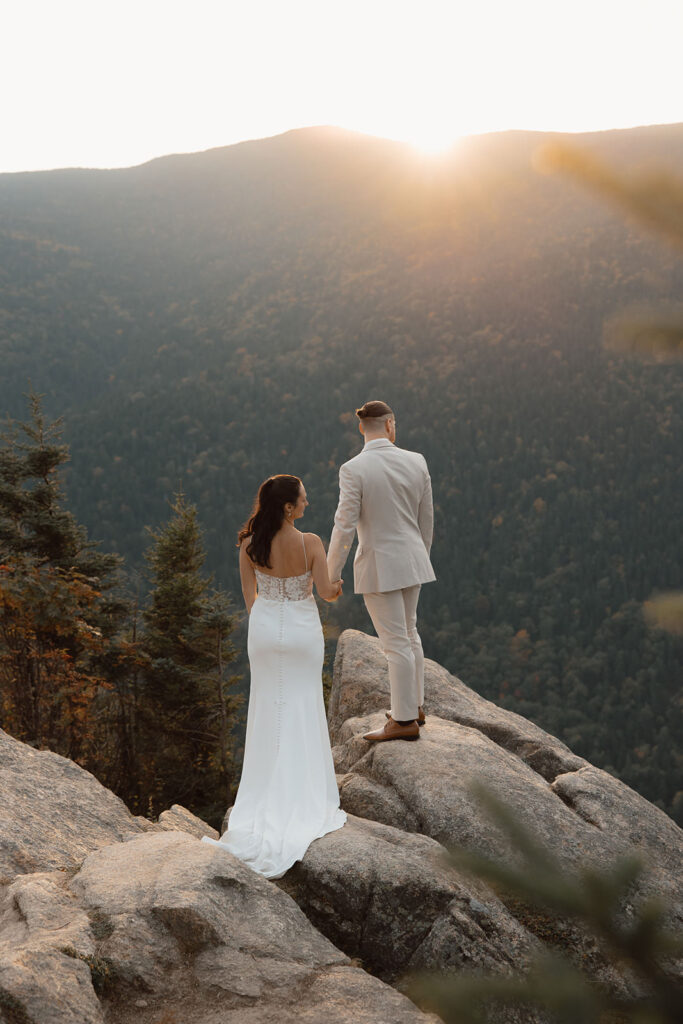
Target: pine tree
(186,707)
(33,519)
(120,751)
(211,640)
(54,616)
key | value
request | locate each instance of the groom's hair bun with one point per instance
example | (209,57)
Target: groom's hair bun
(373,411)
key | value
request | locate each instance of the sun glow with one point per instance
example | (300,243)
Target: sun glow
(430,140)
(431,132)
(432,143)
(427,72)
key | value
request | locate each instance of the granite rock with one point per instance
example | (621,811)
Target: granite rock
(162,927)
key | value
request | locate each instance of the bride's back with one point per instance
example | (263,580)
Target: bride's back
(287,554)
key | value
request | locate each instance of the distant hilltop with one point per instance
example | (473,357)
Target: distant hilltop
(611,140)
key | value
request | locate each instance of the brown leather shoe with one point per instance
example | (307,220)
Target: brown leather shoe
(393,731)
(420,715)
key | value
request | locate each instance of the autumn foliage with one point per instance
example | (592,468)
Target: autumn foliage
(48,687)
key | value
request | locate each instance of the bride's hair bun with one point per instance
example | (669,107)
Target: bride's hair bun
(373,411)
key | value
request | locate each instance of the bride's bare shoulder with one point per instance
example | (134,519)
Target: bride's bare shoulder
(312,541)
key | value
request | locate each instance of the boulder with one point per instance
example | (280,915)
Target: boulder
(53,812)
(179,819)
(45,945)
(582,814)
(408,908)
(360,687)
(161,927)
(426,787)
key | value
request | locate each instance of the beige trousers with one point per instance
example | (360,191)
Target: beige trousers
(394,616)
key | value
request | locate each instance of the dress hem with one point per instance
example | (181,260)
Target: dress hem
(280,871)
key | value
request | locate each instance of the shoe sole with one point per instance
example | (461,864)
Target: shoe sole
(388,739)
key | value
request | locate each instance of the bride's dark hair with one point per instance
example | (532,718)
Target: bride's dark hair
(267,515)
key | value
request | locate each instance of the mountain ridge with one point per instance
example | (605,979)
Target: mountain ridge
(350,133)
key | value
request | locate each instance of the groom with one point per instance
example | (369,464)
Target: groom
(386,494)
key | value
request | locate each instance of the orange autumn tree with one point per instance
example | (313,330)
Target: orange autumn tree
(55,614)
(46,689)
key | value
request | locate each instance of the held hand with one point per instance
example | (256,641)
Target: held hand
(338,584)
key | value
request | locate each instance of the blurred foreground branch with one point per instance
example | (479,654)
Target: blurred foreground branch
(602,900)
(655,198)
(665,611)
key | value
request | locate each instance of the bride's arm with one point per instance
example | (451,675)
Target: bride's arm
(315,548)
(247,576)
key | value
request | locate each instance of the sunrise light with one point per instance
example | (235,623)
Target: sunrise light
(111,85)
(432,141)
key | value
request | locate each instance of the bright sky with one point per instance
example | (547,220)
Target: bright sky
(110,83)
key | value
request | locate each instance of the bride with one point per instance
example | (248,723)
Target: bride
(288,794)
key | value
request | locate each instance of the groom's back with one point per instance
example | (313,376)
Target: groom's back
(386,497)
(393,482)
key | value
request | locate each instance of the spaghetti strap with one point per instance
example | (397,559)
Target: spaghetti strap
(303,541)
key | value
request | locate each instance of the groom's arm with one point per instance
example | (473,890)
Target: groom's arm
(425,512)
(345,519)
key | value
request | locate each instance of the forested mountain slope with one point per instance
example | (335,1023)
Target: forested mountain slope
(209,319)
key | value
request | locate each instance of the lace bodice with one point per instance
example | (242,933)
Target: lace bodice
(284,588)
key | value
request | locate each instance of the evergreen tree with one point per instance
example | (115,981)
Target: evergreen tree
(33,519)
(54,617)
(186,708)
(120,751)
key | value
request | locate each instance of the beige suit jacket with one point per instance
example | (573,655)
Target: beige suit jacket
(385,494)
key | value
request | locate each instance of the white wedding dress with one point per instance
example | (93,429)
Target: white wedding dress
(288,793)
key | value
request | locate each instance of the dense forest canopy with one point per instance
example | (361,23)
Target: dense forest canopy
(206,320)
